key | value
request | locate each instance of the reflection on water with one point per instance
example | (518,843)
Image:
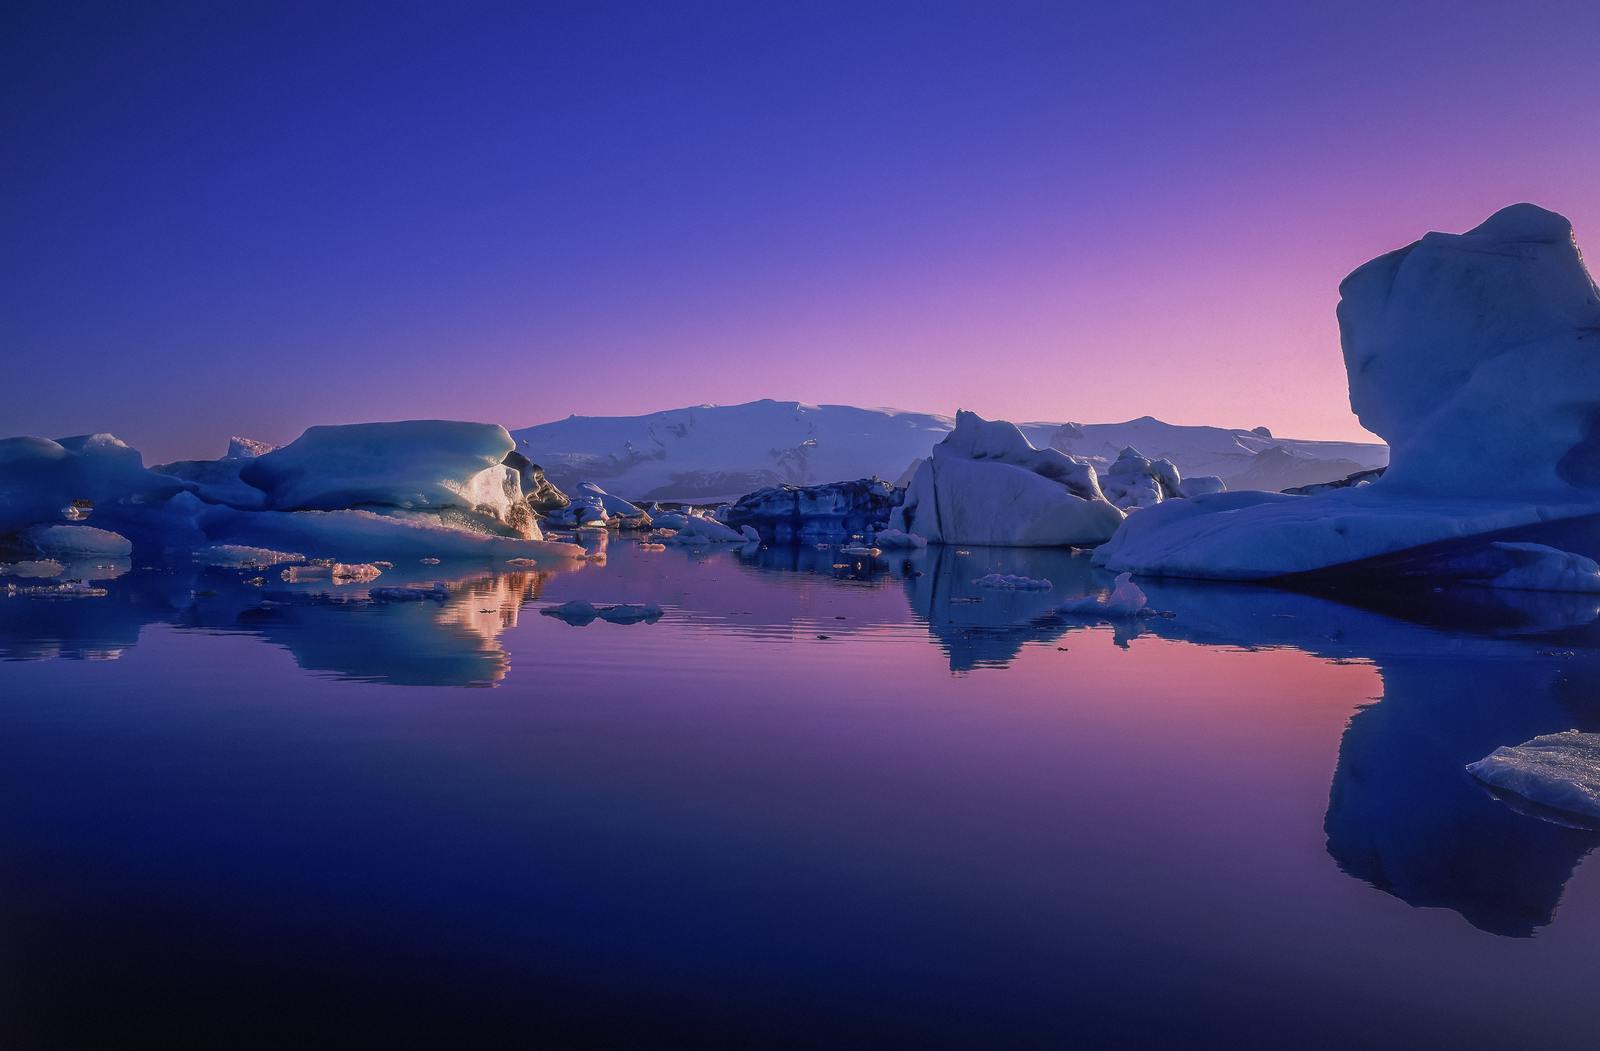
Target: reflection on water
(789,627)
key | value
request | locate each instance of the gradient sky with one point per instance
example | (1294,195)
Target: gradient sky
(240,218)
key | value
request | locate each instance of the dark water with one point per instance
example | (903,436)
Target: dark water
(229,823)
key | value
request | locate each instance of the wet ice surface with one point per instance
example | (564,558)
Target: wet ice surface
(823,798)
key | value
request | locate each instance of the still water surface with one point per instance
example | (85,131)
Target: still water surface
(820,801)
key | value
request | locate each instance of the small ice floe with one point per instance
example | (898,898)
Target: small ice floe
(411,593)
(898,538)
(428,561)
(859,550)
(338,572)
(1126,600)
(1559,771)
(652,547)
(579,613)
(1008,582)
(695,530)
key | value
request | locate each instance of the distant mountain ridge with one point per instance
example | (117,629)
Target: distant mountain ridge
(707,453)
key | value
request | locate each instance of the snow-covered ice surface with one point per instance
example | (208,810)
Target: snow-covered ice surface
(413,465)
(712,453)
(1475,356)
(1560,771)
(986,484)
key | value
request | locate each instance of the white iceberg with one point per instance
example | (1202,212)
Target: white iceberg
(1560,771)
(1475,356)
(413,465)
(986,484)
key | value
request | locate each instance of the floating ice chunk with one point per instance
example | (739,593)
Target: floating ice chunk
(1009,582)
(898,538)
(859,550)
(76,542)
(1126,600)
(579,613)
(576,612)
(1560,771)
(699,530)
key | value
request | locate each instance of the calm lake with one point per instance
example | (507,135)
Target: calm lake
(823,800)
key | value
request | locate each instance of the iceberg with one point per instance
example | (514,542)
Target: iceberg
(1474,355)
(787,513)
(592,505)
(1560,771)
(1135,481)
(413,465)
(986,484)
(698,529)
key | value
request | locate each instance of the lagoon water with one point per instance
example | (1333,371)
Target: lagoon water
(821,801)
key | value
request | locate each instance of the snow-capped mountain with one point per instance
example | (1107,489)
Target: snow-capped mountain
(711,453)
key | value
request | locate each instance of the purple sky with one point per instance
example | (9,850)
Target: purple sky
(247,219)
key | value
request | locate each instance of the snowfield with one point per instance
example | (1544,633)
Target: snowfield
(717,453)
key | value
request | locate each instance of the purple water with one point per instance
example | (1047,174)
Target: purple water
(954,820)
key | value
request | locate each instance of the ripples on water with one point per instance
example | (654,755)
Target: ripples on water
(823,800)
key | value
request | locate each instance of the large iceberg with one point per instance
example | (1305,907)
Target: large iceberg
(434,489)
(413,465)
(94,477)
(986,484)
(1475,356)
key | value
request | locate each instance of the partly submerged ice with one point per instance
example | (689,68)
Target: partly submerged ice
(1560,771)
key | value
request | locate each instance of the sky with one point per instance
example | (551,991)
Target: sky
(248,218)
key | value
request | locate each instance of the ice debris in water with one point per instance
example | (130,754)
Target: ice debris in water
(1126,600)
(579,613)
(1560,771)
(1009,582)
